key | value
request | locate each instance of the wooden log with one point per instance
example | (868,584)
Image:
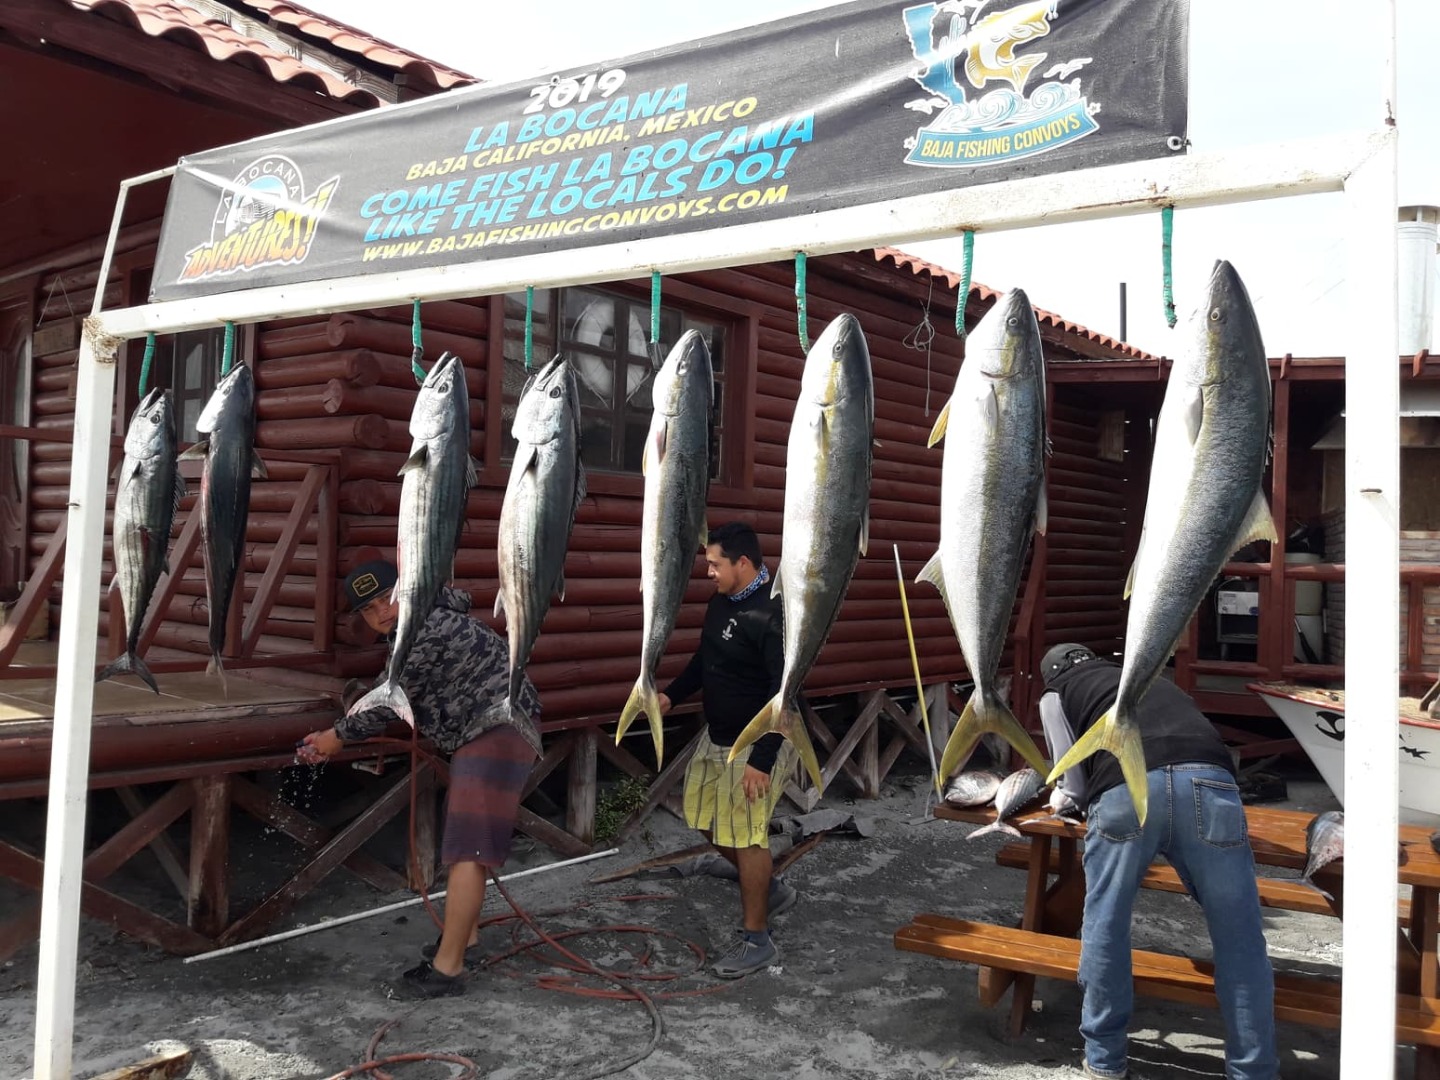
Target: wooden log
(393,403)
(580,792)
(368,432)
(171,1064)
(468,317)
(208,908)
(352,331)
(195,639)
(358,367)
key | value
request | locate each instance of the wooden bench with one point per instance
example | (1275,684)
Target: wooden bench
(1281,893)
(1299,999)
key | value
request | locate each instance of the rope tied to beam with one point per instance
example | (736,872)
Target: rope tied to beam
(801,315)
(415,350)
(529,327)
(967,263)
(655,358)
(1167,231)
(227,357)
(145,363)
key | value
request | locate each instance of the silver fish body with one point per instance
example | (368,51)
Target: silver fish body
(147,493)
(992,497)
(1204,502)
(437,476)
(547,482)
(227,427)
(1324,843)
(974,788)
(1016,792)
(677,479)
(827,517)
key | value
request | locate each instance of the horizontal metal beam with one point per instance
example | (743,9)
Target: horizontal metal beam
(1272,171)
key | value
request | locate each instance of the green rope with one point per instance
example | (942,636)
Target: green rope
(529,327)
(801,318)
(227,358)
(415,351)
(966,265)
(1167,229)
(145,364)
(655,357)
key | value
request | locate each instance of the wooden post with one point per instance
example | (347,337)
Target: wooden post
(580,797)
(870,762)
(209,899)
(420,869)
(1277,620)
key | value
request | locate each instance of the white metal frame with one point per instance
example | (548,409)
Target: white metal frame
(1363,166)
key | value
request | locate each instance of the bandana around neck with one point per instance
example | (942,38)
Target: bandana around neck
(760,579)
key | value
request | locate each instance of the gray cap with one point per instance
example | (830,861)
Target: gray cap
(1062,657)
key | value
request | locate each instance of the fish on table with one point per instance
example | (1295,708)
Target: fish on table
(1016,792)
(147,493)
(436,477)
(1205,501)
(676,465)
(974,787)
(227,424)
(547,483)
(826,521)
(1324,843)
(992,498)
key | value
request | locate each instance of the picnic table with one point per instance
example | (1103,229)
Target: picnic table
(1045,943)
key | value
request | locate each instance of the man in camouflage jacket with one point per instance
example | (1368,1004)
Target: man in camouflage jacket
(456,678)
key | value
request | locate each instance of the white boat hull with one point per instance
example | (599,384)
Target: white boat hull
(1316,718)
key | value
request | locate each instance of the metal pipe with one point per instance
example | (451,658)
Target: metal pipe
(125,186)
(301,931)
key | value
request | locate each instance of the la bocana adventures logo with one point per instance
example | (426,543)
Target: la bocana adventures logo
(264,218)
(963,44)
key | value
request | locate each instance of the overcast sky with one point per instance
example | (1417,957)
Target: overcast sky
(1260,71)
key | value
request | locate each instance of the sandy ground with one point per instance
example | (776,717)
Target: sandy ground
(841,1004)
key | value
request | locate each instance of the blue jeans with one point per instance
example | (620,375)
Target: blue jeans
(1196,820)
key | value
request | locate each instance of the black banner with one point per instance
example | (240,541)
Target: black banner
(847,106)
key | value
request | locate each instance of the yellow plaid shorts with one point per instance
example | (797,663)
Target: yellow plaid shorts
(715,800)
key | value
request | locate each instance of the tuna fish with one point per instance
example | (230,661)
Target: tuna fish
(1205,501)
(146,495)
(974,788)
(1324,843)
(436,477)
(547,482)
(992,497)
(228,420)
(1016,792)
(827,517)
(677,478)
(1062,806)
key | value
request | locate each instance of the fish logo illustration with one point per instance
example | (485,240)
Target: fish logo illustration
(264,217)
(963,48)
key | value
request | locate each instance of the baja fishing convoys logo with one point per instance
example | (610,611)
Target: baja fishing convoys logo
(264,218)
(973,43)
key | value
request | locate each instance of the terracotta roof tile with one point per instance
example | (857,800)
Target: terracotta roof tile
(915,265)
(188,25)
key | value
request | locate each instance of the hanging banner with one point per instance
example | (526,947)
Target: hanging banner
(851,105)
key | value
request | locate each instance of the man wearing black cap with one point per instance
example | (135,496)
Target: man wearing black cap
(1196,820)
(456,678)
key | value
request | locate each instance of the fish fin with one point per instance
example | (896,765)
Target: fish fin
(114,587)
(941,423)
(417,459)
(704,535)
(1194,414)
(129,664)
(975,722)
(560,585)
(179,490)
(499,603)
(472,472)
(196,452)
(775,586)
(1042,511)
(524,455)
(582,488)
(774,716)
(126,472)
(217,668)
(1130,577)
(990,408)
(1258,523)
(1317,888)
(257,466)
(388,695)
(984,830)
(658,443)
(644,698)
(934,573)
(865,532)
(1122,739)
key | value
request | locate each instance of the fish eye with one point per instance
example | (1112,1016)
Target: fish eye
(1013,321)
(555,391)
(1215,314)
(443,386)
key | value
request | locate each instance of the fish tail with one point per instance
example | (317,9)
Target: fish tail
(129,664)
(388,695)
(995,826)
(644,698)
(1119,735)
(788,721)
(990,715)
(1317,888)
(215,667)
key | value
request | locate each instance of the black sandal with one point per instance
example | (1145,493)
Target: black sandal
(428,982)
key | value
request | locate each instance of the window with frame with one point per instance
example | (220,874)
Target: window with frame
(613,370)
(189,365)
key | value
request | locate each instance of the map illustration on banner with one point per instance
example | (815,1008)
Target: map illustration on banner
(960,39)
(857,104)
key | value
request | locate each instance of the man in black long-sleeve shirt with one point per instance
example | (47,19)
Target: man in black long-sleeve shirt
(738,668)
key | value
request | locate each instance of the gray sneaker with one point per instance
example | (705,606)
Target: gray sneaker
(1089,1072)
(744,957)
(783,896)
